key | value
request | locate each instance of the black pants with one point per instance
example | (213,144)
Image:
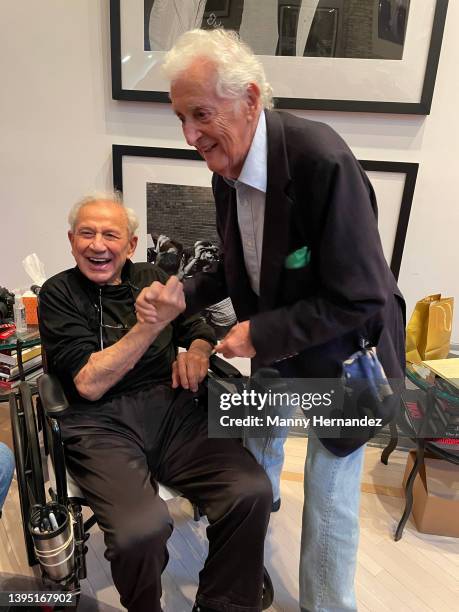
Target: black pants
(119,451)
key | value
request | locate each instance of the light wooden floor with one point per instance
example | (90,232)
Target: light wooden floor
(419,573)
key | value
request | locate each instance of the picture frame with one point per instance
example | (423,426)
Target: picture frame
(136,166)
(403,86)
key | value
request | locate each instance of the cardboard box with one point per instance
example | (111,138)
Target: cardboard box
(435,496)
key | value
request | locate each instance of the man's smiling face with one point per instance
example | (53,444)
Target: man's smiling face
(221,129)
(101,242)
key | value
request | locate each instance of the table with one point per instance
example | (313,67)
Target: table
(18,342)
(435,419)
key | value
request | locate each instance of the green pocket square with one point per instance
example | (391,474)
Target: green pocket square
(298,259)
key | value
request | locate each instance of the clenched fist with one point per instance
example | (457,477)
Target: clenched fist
(160,303)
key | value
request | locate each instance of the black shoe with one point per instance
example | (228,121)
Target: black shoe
(276,505)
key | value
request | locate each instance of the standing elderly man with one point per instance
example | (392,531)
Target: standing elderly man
(302,263)
(128,427)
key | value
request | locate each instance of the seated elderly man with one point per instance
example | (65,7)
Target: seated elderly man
(133,420)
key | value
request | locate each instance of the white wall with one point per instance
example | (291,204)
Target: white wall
(58,123)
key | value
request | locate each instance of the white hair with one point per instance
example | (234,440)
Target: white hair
(115,197)
(236,64)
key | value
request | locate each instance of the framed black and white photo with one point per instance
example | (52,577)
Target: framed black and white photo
(364,56)
(177,229)
(170,191)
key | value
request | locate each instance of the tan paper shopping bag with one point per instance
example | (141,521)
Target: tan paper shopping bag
(428,333)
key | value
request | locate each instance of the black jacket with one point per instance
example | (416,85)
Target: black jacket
(307,320)
(318,196)
(70,328)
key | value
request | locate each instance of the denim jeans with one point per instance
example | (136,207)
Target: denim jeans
(271,457)
(6,471)
(270,454)
(330,531)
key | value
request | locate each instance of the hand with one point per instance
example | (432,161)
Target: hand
(237,342)
(145,309)
(160,303)
(191,367)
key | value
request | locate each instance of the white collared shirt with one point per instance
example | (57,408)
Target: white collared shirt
(251,199)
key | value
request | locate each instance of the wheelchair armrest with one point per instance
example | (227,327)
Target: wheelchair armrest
(52,396)
(222,368)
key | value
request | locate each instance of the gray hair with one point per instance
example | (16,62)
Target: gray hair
(236,64)
(115,197)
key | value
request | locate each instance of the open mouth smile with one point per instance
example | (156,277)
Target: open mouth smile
(99,262)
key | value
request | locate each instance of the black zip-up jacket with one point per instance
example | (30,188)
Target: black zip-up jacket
(79,317)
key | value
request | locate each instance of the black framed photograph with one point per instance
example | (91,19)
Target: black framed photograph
(170,191)
(364,56)
(177,229)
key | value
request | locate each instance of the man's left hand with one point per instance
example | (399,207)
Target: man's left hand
(190,367)
(237,342)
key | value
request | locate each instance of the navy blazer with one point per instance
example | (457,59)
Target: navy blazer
(307,320)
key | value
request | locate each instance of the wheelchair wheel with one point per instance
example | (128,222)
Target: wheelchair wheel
(28,461)
(20,443)
(268,590)
(36,481)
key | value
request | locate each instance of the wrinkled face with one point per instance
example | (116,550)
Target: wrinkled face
(101,242)
(220,129)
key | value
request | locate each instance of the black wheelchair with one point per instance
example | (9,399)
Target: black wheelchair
(62,562)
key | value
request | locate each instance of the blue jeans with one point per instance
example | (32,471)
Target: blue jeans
(271,455)
(6,471)
(330,531)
